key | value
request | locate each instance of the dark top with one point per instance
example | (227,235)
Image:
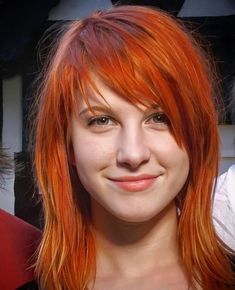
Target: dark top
(29,286)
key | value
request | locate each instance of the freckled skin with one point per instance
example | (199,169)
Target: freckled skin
(126,143)
(134,226)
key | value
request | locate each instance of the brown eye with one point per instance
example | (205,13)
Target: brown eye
(159,117)
(100,121)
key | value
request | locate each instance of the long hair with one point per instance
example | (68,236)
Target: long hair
(148,58)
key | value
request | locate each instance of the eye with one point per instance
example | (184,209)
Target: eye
(100,121)
(159,118)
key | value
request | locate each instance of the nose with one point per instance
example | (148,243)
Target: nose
(132,151)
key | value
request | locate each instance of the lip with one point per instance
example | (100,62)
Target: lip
(134,183)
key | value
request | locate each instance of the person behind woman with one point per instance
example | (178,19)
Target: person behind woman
(18,243)
(126,153)
(224,207)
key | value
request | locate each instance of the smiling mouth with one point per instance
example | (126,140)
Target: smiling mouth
(134,183)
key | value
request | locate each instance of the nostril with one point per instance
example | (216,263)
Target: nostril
(133,158)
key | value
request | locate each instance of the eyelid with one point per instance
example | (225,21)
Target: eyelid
(162,114)
(94,118)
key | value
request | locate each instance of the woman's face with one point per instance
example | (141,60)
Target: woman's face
(126,157)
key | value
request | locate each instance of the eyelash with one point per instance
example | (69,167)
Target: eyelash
(161,119)
(96,119)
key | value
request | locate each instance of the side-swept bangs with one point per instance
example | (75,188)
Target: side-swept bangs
(146,60)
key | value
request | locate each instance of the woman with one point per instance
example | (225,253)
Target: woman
(126,154)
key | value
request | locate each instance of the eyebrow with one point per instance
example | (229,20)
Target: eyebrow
(95,108)
(109,110)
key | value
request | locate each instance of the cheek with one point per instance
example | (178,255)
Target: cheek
(173,159)
(91,155)
(178,163)
(169,152)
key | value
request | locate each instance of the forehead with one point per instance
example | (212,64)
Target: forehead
(100,95)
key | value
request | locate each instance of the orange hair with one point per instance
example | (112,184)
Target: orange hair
(146,57)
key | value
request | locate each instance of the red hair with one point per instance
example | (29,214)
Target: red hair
(146,57)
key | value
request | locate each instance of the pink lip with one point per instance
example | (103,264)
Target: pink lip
(135,183)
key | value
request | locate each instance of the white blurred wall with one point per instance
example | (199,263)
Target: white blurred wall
(12,133)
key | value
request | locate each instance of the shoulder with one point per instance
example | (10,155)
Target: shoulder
(224,207)
(226,186)
(18,243)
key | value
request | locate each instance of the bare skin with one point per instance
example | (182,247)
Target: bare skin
(138,256)
(133,169)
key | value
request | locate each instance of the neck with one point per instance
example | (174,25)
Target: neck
(121,246)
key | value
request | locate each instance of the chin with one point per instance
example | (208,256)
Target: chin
(136,217)
(142,216)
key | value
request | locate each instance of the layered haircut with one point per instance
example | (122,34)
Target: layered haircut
(147,58)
